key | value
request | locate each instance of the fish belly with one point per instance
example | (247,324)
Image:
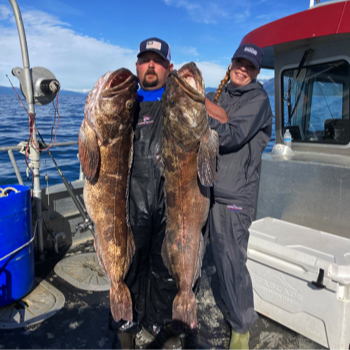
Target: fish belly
(106,204)
(187,209)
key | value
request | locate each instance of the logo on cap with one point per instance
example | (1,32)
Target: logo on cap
(153,45)
(251,50)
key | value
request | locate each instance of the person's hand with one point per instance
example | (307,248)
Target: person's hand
(216,111)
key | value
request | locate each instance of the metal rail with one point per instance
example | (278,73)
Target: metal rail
(29,94)
(57,144)
(312,2)
(15,167)
(9,149)
(29,79)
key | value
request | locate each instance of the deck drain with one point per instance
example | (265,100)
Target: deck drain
(84,272)
(41,303)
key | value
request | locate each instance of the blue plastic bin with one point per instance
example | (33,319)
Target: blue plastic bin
(16,267)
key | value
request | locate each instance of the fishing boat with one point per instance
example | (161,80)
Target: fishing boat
(299,249)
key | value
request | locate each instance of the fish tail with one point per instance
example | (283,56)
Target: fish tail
(120,302)
(184,311)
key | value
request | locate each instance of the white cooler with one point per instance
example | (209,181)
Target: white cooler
(301,279)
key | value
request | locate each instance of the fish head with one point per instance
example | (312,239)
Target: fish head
(111,103)
(183,104)
(109,115)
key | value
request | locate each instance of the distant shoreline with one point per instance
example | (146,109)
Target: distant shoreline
(5,90)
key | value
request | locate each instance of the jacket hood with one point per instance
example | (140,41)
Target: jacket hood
(241,89)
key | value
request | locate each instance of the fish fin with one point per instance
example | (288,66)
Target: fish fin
(130,251)
(89,152)
(130,162)
(184,311)
(165,257)
(206,161)
(99,256)
(200,255)
(120,302)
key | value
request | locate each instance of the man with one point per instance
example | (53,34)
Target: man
(152,288)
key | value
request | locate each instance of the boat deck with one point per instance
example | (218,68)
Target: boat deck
(82,323)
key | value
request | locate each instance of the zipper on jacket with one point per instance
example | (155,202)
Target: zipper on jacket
(248,162)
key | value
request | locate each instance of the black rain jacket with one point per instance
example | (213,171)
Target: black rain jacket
(151,286)
(242,141)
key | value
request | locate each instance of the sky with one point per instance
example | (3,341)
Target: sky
(79,41)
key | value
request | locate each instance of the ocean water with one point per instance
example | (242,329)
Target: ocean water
(14,128)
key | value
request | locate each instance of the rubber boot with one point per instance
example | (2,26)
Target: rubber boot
(164,337)
(239,341)
(123,340)
(172,343)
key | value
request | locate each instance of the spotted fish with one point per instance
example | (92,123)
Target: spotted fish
(188,158)
(105,153)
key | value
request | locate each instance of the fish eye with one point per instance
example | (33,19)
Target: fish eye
(129,105)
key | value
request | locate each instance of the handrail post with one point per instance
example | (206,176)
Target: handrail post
(29,95)
(15,167)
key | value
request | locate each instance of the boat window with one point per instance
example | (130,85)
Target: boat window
(316,103)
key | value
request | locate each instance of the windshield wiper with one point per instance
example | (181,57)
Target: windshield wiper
(289,92)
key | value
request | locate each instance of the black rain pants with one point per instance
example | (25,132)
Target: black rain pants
(152,288)
(229,236)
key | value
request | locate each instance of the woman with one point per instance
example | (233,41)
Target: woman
(240,112)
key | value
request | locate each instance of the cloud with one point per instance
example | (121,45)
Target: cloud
(77,61)
(186,50)
(5,12)
(62,7)
(266,74)
(212,72)
(207,12)
(241,17)
(227,13)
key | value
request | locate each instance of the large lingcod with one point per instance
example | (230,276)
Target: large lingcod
(105,152)
(189,155)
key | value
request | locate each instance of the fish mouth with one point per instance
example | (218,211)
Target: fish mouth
(190,80)
(118,81)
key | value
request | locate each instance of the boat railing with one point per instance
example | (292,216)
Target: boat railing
(20,148)
(312,2)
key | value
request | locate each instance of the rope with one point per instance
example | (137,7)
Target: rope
(4,191)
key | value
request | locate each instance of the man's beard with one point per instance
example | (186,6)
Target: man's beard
(147,84)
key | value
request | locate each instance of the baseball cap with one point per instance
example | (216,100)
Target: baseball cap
(250,52)
(156,45)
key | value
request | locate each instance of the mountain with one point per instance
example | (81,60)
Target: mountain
(269,86)
(267,83)
(72,93)
(210,89)
(5,90)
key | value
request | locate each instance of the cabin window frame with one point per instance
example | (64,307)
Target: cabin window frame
(311,74)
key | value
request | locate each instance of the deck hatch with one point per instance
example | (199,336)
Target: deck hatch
(41,303)
(84,272)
